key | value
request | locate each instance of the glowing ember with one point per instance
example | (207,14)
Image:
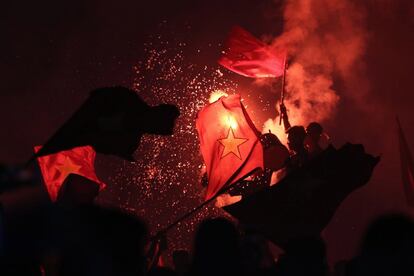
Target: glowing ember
(164,182)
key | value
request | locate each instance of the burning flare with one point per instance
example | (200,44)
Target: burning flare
(215,95)
(326,40)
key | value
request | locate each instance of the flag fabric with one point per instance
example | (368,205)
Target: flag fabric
(407,166)
(56,167)
(304,202)
(229,143)
(248,56)
(112,120)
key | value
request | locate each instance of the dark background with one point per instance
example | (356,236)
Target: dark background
(54,52)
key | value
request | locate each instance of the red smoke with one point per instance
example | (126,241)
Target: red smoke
(325,39)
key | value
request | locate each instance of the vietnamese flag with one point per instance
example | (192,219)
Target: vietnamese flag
(229,143)
(248,56)
(56,167)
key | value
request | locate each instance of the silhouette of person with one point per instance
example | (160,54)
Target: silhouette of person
(77,190)
(299,154)
(304,256)
(93,240)
(296,138)
(386,249)
(216,249)
(313,136)
(274,152)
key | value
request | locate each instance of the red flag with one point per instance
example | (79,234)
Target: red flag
(250,57)
(407,166)
(229,142)
(56,167)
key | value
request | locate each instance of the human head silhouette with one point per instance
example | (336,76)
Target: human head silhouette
(296,137)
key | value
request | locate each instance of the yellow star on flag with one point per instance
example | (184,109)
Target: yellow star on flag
(67,167)
(231,144)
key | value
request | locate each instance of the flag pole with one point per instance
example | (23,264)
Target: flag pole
(162,232)
(282,93)
(226,188)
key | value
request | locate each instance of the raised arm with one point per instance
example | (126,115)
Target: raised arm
(284,115)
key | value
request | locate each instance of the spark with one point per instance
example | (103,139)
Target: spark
(167,171)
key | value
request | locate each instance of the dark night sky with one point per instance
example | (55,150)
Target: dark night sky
(54,52)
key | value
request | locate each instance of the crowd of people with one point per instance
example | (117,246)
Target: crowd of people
(75,236)
(86,239)
(304,143)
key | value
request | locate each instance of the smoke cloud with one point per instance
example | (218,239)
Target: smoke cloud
(326,41)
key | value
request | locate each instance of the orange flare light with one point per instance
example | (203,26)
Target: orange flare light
(230,121)
(215,95)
